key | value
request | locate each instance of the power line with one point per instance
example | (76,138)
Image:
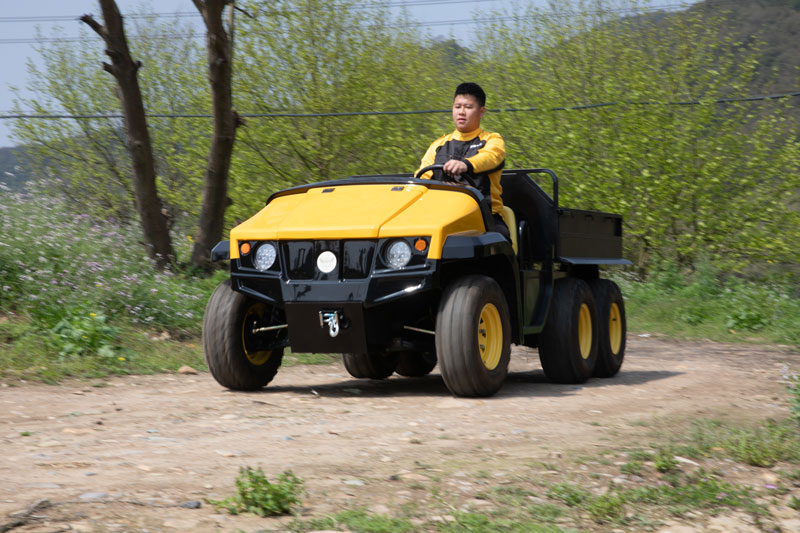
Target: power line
(488,20)
(414,112)
(195,14)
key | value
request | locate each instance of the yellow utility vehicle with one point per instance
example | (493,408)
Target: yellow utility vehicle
(398,273)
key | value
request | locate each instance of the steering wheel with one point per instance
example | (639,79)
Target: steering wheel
(464,177)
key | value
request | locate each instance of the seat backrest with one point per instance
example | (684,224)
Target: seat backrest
(531,204)
(511,221)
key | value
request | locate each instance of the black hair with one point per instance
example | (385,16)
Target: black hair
(472,89)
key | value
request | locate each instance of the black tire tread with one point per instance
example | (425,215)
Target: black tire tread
(605,293)
(369,365)
(559,352)
(415,364)
(222,344)
(456,348)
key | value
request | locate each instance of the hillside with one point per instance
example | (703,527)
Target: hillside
(774,25)
(12,173)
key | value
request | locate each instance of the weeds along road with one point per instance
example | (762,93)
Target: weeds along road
(124,455)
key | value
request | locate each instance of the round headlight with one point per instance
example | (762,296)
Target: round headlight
(398,254)
(265,256)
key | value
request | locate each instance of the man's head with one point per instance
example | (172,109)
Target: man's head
(469,104)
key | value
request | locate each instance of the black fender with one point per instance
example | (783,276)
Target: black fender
(488,254)
(221,251)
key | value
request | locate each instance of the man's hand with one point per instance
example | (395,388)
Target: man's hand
(454,168)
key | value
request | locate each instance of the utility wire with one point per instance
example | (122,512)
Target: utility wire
(415,112)
(488,20)
(195,14)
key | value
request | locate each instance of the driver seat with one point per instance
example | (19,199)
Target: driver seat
(511,221)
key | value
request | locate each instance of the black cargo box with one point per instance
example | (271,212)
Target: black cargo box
(588,235)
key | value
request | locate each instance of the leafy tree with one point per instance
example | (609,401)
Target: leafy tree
(713,179)
(219,44)
(125,71)
(85,160)
(314,56)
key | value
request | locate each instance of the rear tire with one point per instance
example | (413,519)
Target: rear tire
(568,343)
(473,336)
(369,365)
(235,355)
(612,327)
(415,364)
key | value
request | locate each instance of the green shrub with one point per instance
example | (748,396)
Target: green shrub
(569,494)
(85,335)
(255,494)
(665,462)
(633,468)
(762,445)
(607,508)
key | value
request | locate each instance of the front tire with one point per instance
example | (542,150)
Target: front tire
(238,358)
(473,336)
(568,343)
(612,327)
(369,365)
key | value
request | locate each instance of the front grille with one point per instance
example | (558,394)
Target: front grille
(354,259)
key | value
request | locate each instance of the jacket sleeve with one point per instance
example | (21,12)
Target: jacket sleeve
(429,158)
(490,157)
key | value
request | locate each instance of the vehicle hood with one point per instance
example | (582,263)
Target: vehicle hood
(363,211)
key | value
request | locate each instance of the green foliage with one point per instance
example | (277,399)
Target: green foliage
(480,523)
(706,180)
(633,468)
(86,335)
(569,494)
(255,494)
(697,491)
(607,508)
(55,266)
(665,461)
(762,445)
(545,512)
(690,180)
(708,304)
(794,503)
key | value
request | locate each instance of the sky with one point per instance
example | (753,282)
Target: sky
(14,55)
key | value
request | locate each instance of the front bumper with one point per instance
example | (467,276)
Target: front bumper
(371,314)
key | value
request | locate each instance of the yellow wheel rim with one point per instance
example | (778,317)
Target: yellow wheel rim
(585,331)
(255,357)
(490,336)
(615,328)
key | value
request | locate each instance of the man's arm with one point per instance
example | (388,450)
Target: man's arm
(490,157)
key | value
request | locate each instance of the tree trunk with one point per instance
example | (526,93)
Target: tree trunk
(124,69)
(220,70)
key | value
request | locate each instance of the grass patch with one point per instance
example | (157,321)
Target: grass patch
(294,359)
(696,491)
(466,522)
(709,304)
(762,445)
(255,494)
(31,353)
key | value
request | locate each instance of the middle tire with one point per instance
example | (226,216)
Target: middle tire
(473,336)
(568,343)
(415,364)
(369,365)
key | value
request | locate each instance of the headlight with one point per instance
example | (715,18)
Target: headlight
(398,254)
(265,256)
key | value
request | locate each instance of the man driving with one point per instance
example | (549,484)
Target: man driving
(470,151)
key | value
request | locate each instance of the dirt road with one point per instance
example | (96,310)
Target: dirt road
(125,455)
